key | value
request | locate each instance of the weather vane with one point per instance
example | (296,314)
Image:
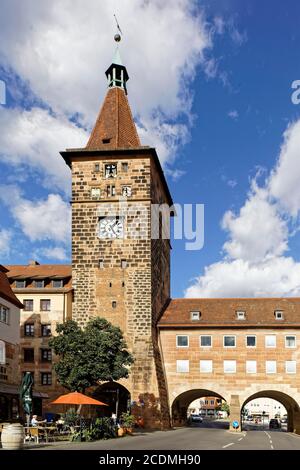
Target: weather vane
(117,36)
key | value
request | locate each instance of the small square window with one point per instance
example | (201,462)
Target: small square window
(205,341)
(29,329)
(270,341)
(125,167)
(290,367)
(46,378)
(126,191)
(114,304)
(182,341)
(100,263)
(240,315)
(28,354)
(46,330)
(206,367)
(28,305)
(123,264)
(20,284)
(251,341)
(46,355)
(195,316)
(97,167)
(57,283)
(290,341)
(229,367)
(279,314)
(182,366)
(251,367)
(105,141)
(39,284)
(45,305)
(111,190)
(95,193)
(229,341)
(110,170)
(271,367)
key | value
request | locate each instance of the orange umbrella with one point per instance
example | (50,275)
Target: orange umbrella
(76,398)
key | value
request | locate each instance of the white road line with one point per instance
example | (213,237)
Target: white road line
(240,438)
(267,434)
(271,442)
(272,447)
(227,445)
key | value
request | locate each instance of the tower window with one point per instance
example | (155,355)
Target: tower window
(278,314)
(126,191)
(111,190)
(123,284)
(125,167)
(110,284)
(105,141)
(240,315)
(195,316)
(101,264)
(97,167)
(123,263)
(114,304)
(95,193)
(110,170)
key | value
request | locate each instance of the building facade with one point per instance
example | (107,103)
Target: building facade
(9,349)
(46,294)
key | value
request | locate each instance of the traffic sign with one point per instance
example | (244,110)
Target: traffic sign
(235,424)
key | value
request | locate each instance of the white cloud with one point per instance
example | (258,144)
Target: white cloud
(258,236)
(66,47)
(233,114)
(5,240)
(34,138)
(44,219)
(284,180)
(57,252)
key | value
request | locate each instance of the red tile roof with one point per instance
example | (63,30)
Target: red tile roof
(5,289)
(39,271)
(114,124)
(218,313)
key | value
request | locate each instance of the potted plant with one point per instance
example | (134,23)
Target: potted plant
(128,421)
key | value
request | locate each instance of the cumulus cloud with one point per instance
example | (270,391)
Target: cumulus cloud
(5,240)
(44,219)
(258,236)
(233,114)
(34,138)
(56,252)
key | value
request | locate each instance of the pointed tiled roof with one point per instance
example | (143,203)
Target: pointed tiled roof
(114,127)
(5,289)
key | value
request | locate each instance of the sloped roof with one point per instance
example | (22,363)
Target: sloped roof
(114,124)
(5,289)
(217,313)
(39,271)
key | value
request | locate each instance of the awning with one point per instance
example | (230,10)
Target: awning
(15,390)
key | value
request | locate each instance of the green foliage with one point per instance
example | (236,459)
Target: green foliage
(71,417)
(127,420)
(225,407)
(86,356)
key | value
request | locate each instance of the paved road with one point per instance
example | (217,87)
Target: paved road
(192,438)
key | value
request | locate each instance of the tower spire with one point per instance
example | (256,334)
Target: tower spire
(116,74)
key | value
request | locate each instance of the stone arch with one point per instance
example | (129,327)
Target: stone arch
(290,404)
(115,395)
(181,402)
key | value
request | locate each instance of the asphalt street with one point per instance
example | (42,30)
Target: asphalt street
(191,438)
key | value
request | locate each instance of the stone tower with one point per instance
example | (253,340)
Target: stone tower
(119,272)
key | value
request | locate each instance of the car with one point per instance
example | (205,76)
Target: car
(196,418)
(274,424)
(283,420)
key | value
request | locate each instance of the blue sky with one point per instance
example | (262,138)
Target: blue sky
(219,111)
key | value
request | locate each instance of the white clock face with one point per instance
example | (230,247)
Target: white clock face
(111,227)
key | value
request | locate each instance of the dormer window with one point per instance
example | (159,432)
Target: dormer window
(279,314)
(20,284)
(195,316)
(241,315)
(39,284)
(105,141)
(110,170)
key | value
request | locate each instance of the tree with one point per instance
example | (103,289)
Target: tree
(225,407)
(86,356)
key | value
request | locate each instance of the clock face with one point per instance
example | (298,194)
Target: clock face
(111,227)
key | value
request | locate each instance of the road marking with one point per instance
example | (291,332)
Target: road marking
(268,434)
(272,447)
(227,445)
(240,438)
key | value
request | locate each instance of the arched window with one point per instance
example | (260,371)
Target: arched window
(2,352)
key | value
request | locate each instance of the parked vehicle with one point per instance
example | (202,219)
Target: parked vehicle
(195,418)
(274,424)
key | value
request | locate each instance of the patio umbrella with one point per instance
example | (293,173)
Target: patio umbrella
(26,394)
(76,398)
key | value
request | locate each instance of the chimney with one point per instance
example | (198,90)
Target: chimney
(32,262)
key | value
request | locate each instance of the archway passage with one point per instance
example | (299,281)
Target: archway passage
(181,404)
(289,403)
(115,395)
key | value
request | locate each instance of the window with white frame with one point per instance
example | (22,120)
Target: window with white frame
(2,352)
(206,366)
(241,315)
(20,284)
(290,341)
(229,341)
(271,367)
(182,341)
(278,314)
(251,341)
(251,367)
(229,367)
(95,193)
(4,314)
(182,365)
(205,341)
(195,316)
(270,341)
(290,367)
